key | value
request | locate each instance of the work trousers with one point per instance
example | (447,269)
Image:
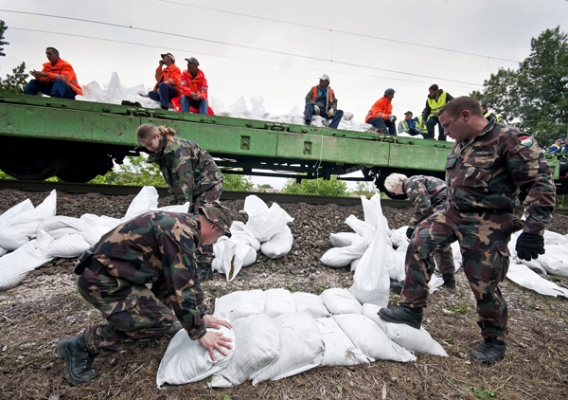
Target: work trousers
(56,88)
(483,238)
(309,112)
(431,125)
(387,125)
(164,95)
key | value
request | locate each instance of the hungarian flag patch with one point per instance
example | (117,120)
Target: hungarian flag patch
(526,141)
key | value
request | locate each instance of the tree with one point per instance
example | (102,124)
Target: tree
(237,183)
(13,83)
(319,187)
(366,189)
(535,95)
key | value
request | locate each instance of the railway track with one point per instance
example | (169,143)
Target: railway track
(119,190)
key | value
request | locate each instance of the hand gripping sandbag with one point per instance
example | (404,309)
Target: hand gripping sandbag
(339,349)
(188,361)
(302,348)
(415,340)
(371,339)
(258,345)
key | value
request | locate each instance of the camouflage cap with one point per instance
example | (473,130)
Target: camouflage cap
(220,215)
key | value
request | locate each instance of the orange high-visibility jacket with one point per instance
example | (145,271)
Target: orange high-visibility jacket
(191,85)
(381,106)
(170,75)
(64,71)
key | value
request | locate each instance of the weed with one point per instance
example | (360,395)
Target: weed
(484,393)
(458,310)
(322,288)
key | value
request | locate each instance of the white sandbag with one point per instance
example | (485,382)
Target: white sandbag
(339,350)
(18,229)
(278,302)
(258,345)
(362,228)
(555,260)
(343,256)
(533,264)
(16,210)
(177,208)
(97,226)
(57,225)
(371,283)
(240,304)
(3,251)
(342,239)
(70,246)
(186,360)
(371,339)
(302,348)
(398,238)
(395,264)
(523,276)
(341,301)
(435,283)
(239,230)
(415,340)
(231,255)
(145,200)
(553,238)
(279,245)
(264,222)
(15,266)
(311,304)
(354,264)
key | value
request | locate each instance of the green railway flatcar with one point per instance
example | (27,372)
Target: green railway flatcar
(76,141)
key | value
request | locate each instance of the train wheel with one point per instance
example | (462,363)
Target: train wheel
(28,162)
(82,170)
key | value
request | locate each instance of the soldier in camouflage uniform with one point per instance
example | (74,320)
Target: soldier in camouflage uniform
(154,248)
(426,193)
(190,172)
(488,166)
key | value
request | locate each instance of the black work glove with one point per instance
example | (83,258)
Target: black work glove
(529,246)
(409,232)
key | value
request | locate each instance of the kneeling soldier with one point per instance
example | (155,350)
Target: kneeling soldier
(158,248)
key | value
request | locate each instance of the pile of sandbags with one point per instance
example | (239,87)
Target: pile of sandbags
(36,235)
(277,334)
(266,230)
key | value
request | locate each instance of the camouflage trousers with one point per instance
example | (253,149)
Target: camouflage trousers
(211,194)
(134,314)
(483,238)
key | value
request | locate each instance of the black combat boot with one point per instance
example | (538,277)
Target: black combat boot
(490,351)
(411,316)
(397,286)
(449,280)
(175,328)
(78,360)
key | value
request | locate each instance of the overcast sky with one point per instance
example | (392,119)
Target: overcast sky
(278,49)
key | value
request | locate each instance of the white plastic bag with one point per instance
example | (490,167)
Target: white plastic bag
(415,340)
(258,345)
(186,360)
(302,348)
(339,350)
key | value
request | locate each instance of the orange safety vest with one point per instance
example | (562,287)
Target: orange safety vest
(64,71)
(330,99)
(170,75)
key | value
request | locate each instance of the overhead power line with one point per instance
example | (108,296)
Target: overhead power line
(340,31)
(242,46)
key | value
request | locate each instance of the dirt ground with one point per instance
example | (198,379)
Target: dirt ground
(46,308)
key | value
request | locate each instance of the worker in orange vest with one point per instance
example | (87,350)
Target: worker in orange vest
(167,81)
(56,79)
(321,101)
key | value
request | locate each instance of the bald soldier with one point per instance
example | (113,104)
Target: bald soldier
(154,248)
(490,164)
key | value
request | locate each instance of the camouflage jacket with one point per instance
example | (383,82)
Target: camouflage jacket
(158,247)
(425,192)
(188,170)
(487,173)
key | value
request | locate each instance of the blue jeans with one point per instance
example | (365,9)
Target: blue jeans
(200,104)
(309,112)
(57,88)
(164,94)
(431,124)
(387,125)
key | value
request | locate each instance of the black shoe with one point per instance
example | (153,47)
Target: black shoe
(164,108)
(490,351)
(397,286)
(449,280)
(204,273)
(411,316)
(176,327)
(308,121)
(78,360)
